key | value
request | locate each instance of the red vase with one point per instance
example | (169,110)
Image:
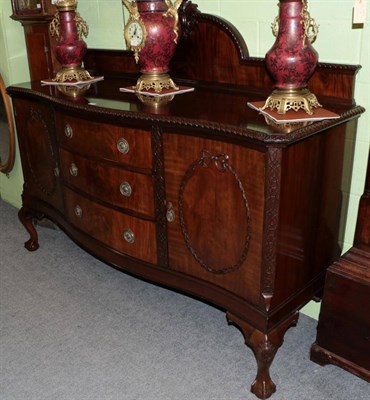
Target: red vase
(161,38)
(292,60)
(161,23)
(70,49)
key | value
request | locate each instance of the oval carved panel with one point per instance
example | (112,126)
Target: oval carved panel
(214,214)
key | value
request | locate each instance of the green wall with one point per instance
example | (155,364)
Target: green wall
(13,68)
(338,42)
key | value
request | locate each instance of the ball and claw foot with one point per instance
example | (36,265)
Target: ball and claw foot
(263,389)
(31,245)
(25,217)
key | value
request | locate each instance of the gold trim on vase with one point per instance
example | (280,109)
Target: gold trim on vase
(81,25)
(291,99)
(66,5)
(72,74)
(172,11)
(156,82)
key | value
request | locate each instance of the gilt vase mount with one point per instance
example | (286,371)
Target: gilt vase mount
(292,59)
(152,33)
(70,49)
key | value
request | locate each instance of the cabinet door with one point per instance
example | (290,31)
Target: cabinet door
(215,203)
(36,137)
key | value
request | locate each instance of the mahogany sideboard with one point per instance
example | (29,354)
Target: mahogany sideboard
(198,192)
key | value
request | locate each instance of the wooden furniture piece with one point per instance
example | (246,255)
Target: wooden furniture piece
(197,192)
(7,132)
(35,17)
(343,332)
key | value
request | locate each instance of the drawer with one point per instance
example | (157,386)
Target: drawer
(129,235)
(116,186)
(104,141)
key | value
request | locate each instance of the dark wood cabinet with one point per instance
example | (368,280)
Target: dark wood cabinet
(198,193)
(343,332)
(35,17)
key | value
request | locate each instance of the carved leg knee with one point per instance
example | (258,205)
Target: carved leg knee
(264,346)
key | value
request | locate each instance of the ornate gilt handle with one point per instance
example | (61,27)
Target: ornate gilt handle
(125,189)
(123,146)
(172,11)
(275,26)
(311,29)
(73,170)
(82,27)
(129,236)
(170,214)
(132,8)
(68,131)
(78,211)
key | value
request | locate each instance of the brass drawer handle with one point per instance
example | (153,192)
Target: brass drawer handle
(125,189)
(129,236)
(123,146)
(170,214)
(68,131)
(73,170)
(78,211)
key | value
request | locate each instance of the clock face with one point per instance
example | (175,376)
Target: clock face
(135,34)
(27,7)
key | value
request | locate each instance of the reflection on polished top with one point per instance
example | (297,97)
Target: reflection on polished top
(213,107)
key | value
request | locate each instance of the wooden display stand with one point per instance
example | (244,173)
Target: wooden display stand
(343,333)
(197,192)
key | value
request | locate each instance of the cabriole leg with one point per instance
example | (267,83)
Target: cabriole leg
(264,346)
(25,217)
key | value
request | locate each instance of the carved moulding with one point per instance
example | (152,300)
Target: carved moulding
(158,169)
(273,179)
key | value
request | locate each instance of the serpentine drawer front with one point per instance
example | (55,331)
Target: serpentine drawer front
(104,141)
(117,186)
(129,235)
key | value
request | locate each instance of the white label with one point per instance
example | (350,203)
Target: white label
(359,12)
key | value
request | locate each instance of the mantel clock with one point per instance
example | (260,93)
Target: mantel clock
(32,7)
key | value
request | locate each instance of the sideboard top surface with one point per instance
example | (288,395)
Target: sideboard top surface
(210,108)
